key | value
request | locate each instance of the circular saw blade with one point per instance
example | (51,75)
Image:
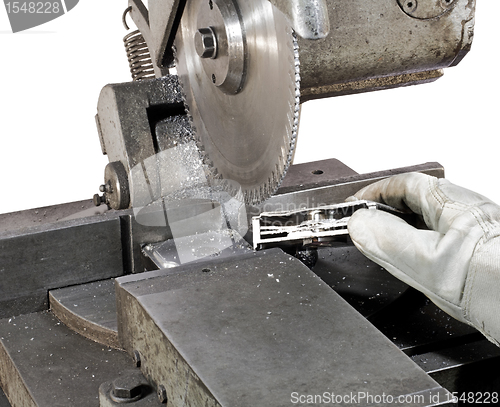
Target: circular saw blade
(243,99)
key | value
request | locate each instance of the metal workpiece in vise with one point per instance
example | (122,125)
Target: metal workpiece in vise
(227,80)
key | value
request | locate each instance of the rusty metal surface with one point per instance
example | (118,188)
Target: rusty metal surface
(377,39)
(370,85)
(257,327)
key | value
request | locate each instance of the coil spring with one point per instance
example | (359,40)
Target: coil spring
(139,58)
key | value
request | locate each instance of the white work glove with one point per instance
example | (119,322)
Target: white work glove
(456,263)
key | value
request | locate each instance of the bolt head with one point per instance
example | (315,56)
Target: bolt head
(127,387)
(205,43)
(162,393)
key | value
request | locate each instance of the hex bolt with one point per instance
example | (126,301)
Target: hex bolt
(205,43)
(126,388)
(162,393)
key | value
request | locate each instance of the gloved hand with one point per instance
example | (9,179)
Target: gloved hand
(456,263)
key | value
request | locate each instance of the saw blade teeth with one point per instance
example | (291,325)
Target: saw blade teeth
(275,178)
(253,197)
(254,194)
(285,158)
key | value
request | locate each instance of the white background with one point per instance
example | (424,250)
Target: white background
(51,76)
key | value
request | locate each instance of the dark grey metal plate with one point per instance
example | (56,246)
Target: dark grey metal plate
(468,368)
(44,364)
(314,173)
(36,259)
(3,400)
(89,309)
(362,283)
(258,327)
(39,216)
(416,325)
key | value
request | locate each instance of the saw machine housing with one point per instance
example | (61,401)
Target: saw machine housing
(344,47)
(97,303)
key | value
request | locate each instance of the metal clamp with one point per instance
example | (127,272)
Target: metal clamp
(308,227)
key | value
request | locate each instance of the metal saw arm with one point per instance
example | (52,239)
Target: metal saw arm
(158,25)
(245,66)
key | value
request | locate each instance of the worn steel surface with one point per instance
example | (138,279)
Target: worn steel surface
(379,39)
(127,114)
(309,18)
(89,309)
(16,221)
(413,324)
(454,354)
(258,327)
(44,364)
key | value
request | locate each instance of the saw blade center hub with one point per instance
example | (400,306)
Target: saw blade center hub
(219,40)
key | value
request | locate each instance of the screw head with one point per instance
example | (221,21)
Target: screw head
(98,200)
(205,43)
(162,393)
(411,5)
(126,387)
